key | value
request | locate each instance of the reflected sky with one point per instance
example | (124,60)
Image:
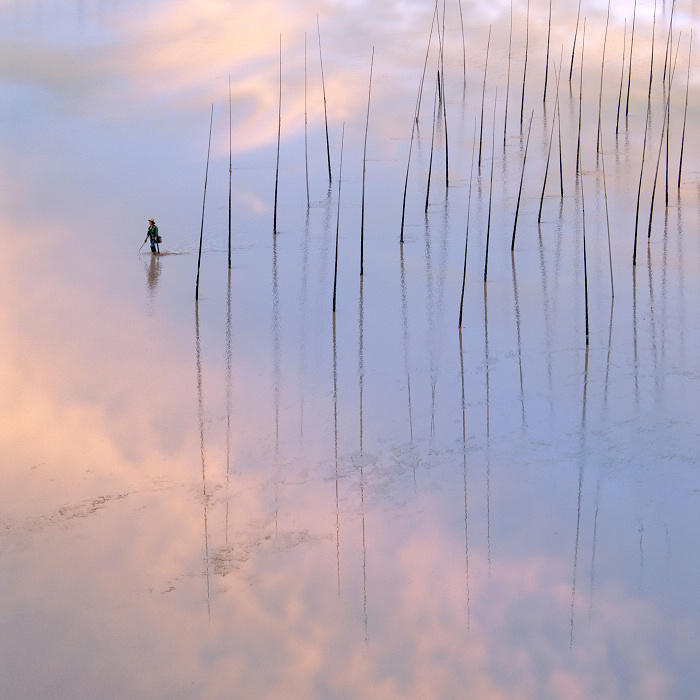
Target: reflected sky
(254,497)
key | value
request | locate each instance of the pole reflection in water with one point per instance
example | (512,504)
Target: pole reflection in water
(229,344)
(582,463)
(200,417)
(464,473)
(153,270)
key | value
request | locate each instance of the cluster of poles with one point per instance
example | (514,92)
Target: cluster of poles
(440,113)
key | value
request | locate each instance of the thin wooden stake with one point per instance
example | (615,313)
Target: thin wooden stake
(651,66)
(306,129)
(522,177)
(663,132)
(204,199)
(600,94)
(580,100)
(325,110)
(573,48)
(466,236)
(230,168)
(425,64)
(585,269)
(337,225)
(483,95)
(527,41)
(687,85)
(488,226)
(432,146)
(510,43)
(629,68)
(279,136)
(607,217)
(546,68)
(549,151)
(622,76)
(639,191)
(364,163)
(464,46)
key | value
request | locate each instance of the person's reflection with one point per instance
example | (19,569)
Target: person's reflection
(152,276)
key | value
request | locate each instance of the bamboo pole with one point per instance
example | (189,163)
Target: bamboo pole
(306,135)
(522,177)
(663,132)
(580,100)
(573,48)
(425,64)
(337,226)
(464,46)
(527,42)
(483,95)
(546,65)
(279,136)
(602,69)
(488,226)
(432,146)
(687,85)
(549,152)
(466,236)
(364,163)
(629,68)
(607,216)
(639,191)
(325,110)
(651,66)
(585,268)
(204,199)
(622,76)
(230,168)
(510,43)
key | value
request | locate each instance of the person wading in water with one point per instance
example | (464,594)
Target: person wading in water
(153,235)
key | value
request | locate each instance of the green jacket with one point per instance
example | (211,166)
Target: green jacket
(152,232)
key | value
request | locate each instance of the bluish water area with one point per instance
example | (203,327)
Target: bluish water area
(251,495)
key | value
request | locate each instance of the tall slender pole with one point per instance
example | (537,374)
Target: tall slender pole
(663,132)
(279,136)
(687,84)
(622,76)
(602,69)
(337,226)
(573,48)
(585,268)
(204,199)
(230,168)
(466,236)
(425,64)
(483,95)
(325,110)
(549,152)
(464,46)
(546,68)
(607,216)
(444,100)
(488,226)
(629,68)
(651,66)
(364,163)
(639,190)
(522,177)
(510,43)
(306,130)
(580,100)
(432,146)
(527,41)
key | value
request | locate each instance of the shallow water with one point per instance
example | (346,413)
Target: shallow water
(251,496)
